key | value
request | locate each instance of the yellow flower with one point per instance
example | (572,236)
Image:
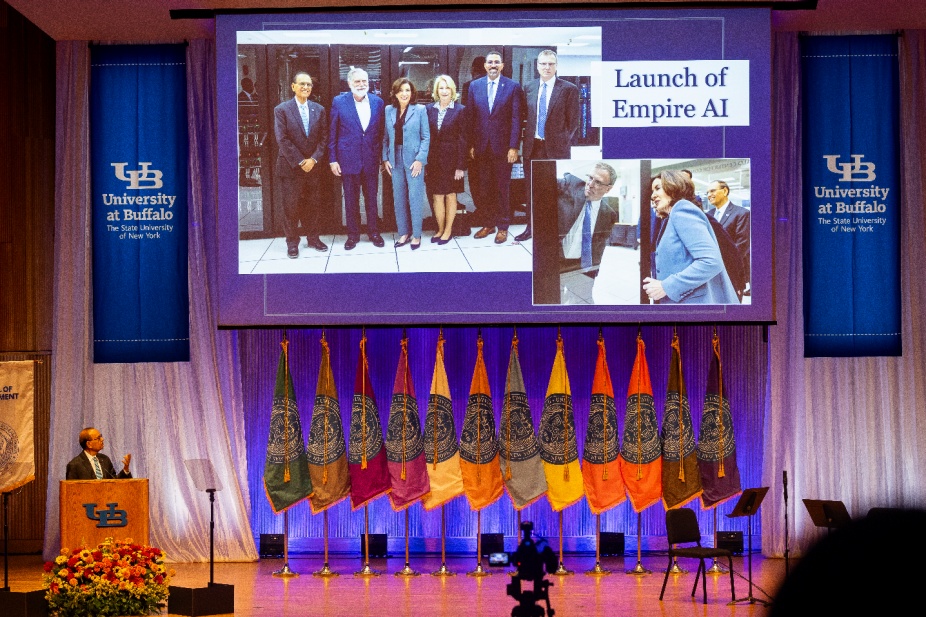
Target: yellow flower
(60,559)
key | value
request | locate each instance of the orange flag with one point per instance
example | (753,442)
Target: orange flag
(326,447)
(681,481)
(482,473)
(558,447)
(641,449)
(604,486)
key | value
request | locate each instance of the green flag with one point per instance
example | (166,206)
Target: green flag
(286,472)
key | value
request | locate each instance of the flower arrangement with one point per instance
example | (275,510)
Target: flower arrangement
(113,578)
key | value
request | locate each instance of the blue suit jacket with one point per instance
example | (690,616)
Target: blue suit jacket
(500,129)
(688,260)
(416,136)
(348,144)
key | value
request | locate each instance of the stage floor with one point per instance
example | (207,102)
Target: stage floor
(259,594)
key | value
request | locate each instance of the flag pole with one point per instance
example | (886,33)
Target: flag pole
(715,568)
(443,571)
(561,570)
(407,571)
(597,570)
(639,569)
(285,572)
(325,572)
(366,570)
(478,572)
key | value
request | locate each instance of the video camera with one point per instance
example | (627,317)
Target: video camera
(531,563)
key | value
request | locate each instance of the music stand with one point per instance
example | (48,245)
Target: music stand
(747,506)
(216,598)
(829,514)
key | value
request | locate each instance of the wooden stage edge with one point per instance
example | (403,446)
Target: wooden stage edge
(258,593)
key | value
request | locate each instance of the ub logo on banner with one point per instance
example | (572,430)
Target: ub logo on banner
(851,220)
(856,171)
(139,153)
(135,178)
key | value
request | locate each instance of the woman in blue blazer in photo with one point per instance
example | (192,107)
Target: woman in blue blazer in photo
(687,265)
(444,176)
(405,153)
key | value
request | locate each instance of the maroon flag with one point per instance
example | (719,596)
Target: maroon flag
(366,456)
(404,442)
(720,475)
(680,480)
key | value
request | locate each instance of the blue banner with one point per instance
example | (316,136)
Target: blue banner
(139,155)
(851,192)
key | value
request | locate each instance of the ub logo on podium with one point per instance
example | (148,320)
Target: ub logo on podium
(110,517)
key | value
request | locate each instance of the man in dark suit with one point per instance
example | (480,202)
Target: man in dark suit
(301,129)
(552,121)
(355,147)
(494,103)
(91,464)
(733,218)
(586,216)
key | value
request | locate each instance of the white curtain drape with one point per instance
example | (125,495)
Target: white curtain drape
(848,429)
(164,414)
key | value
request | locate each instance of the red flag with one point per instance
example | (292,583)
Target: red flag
(366,456)
(720,475)
(404,442)
(680,479)
(641,449)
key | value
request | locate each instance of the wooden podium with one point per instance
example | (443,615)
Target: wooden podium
(93,510)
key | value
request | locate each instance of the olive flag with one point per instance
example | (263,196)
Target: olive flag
(641,451)
(482,475)
(681,481)
(366,456)
(327,450)
(286,470)
(604,486)
(558,447)
(441,447)
(404,441)
(720,475)
(522,467)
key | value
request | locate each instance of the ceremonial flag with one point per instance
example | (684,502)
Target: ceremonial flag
(522,467)
(641,451)
(404,442)
(604,486)
(482,475)
(366,456)
(441,448)
(326,448)
(720,475)
(286,472)
(681,481)
(558,447)
(17,404)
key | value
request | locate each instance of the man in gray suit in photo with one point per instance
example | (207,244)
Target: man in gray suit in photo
(734,219)
(552,121)
(586,216)
(301,129)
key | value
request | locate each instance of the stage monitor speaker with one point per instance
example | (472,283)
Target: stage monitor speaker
(23,604)
(377,545)
(612,543)
(215,599)
(271,545)
(731,541)
(493,543)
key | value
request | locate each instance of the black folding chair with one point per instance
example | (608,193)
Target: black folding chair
(682,528)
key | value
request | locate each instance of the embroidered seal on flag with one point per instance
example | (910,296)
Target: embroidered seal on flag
(478,444)
(599,450)
(446,431)
(554,428)
(326,432)
(373,437)
(644,434)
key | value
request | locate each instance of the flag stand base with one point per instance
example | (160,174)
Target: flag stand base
(639,570)
(407,572)
(716,568)
(443,571)
(366,572)
(562,571)
(285,572)
(677,569)
(479,572)
(325,572)
(597,571)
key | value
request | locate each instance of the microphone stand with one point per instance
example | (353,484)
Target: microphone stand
(784,478)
